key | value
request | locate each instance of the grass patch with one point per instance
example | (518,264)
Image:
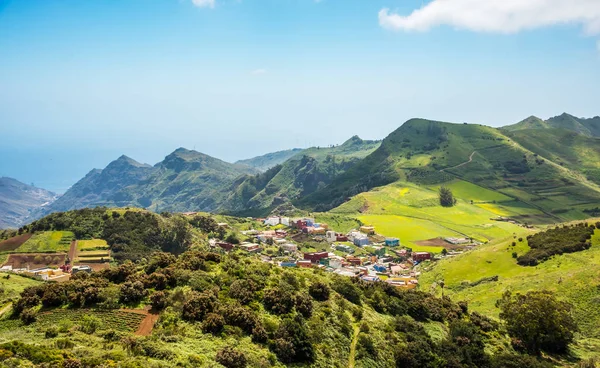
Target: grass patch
(48,241)
(94,244)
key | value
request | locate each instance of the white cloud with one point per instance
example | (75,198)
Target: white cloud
(259,71)
(497,16)
(204,3)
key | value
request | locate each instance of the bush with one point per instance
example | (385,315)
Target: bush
(538,320)
(28,316)
(319,291)
(51,332)
(304,305)
(279,300)
(89,324)
(199,305)
(132,292)
(159,300)
(231,358)
(565,239)
(348,289)
(213,323)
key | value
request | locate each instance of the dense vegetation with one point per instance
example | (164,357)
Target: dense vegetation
(562,239)
(288,316)
(131,234)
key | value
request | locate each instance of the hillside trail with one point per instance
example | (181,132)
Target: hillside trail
(459,165)
(73,251)
(353,345)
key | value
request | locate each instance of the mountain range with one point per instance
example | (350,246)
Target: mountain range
(552,166)
(18,200)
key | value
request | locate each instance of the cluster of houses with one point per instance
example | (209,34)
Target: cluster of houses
(374,268)
(340,259)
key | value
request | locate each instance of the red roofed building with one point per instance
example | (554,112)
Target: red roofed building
(315,257)
(421,256)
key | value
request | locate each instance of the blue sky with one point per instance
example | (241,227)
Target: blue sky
(82,82)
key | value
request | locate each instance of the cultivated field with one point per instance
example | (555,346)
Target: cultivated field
(413,214)
(35,260)
(48,241)
(13,243)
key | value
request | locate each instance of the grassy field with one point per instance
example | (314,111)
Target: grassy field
(94,244)
(48,241)
(572,277)
(12,287)
(412,213)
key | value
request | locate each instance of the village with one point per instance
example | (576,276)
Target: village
(282,241)
(360,253)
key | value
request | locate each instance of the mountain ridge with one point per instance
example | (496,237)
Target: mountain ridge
(18,201)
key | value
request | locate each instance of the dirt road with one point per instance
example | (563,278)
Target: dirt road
(459,165)
(73,251)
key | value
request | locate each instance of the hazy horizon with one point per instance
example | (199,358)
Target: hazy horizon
(82,83)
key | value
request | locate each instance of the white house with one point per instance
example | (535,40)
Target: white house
(289,247)
(272,221)
(331,236)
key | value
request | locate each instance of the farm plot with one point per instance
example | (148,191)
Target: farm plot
(35,260)
(48,241)
(94,244)
(13,243)
(118,320)
(94,256)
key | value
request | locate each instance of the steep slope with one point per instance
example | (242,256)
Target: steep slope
(184,181)
(484,274)
(265,162)
(588,127)
(428,152)
(18,201)
(301,175)
(103,187)
(532,122)
(565,147)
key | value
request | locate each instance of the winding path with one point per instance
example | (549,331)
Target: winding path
(353,346)
(459,165)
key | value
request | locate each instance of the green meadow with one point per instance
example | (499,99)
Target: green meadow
(412,213)
(13,286)
(48,241)
(93,244)
(572,277)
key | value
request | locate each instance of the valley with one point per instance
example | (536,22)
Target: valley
(315,257)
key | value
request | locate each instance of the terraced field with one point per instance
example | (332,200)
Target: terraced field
(119,320)
(47,241)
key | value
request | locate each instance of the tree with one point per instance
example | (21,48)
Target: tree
(319,291)
(538,320)
(231,358)
(446,197)
(213,323)
(159,300)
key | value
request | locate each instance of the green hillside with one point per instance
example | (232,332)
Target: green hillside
(425,152)
(566,148)
(310,170)
(265,162)
(587,127)
(194,307)
(572,276)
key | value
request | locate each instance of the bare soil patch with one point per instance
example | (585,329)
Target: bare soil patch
(14,243)
(35,260)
